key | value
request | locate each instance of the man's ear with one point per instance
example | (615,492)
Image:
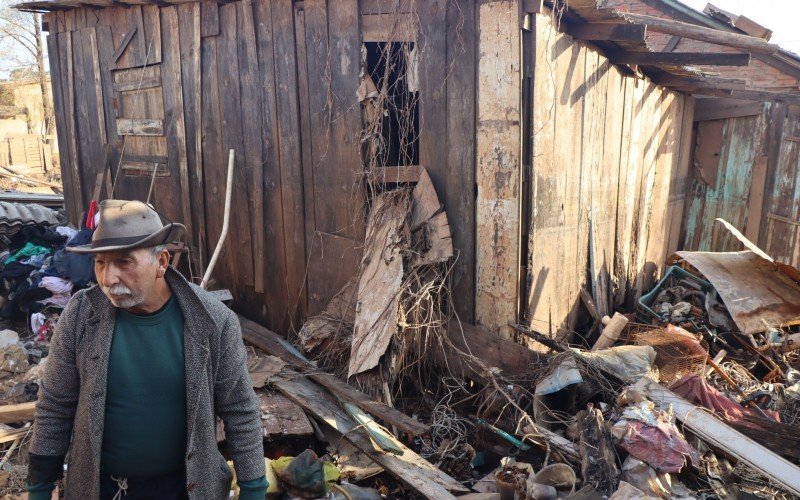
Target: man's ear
(163,263)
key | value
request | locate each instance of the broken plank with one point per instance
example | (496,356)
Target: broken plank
(10,414)
(720,435)
(409,468)
(144,127)
(281,417)
(398,175)
(701,33)
(607,32)
(273,344)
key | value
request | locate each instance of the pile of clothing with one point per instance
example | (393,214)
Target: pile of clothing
(39,274)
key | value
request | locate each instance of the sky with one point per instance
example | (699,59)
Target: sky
(781,16)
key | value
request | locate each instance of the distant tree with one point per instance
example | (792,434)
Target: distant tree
(21,45)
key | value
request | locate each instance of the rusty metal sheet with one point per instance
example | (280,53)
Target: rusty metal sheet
(752,288)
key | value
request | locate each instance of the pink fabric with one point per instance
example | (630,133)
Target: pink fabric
(661,446)
(694,389)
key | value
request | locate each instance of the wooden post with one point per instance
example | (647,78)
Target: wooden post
(498,165)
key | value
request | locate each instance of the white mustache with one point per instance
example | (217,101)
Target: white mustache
(119,289)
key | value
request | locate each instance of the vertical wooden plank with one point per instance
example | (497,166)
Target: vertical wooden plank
(275,248)
(286,88)
(209,18)
(214,161)
(175,126)
(774,115)
(681,179)
(56,49)
(152,33)
(547,184)
(460,161)
(433,79)
(191,74)
(756,198)
(593,197)
(105,48)
(651,117)
(232,133)
(72,104)
(498,165)
(251,132)
(305,133)
(338,198)
(95,55)
(634,171)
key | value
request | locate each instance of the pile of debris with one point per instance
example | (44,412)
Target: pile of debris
(697,399)
(37,279)
(386,394)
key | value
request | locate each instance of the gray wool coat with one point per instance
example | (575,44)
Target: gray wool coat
(71,408)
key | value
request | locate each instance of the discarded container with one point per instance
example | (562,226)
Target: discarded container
(643,309)
(559,476)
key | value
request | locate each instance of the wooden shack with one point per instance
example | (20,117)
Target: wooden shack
(557,142)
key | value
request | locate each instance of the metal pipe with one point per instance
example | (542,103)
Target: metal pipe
(225,219)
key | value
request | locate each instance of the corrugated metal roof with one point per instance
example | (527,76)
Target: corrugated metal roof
(13,216)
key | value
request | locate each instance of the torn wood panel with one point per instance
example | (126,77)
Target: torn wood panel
(430,230)
(273,344)
(411,469)
(715,432)
(262,369)
(281,417)
(498,166)
(380,281)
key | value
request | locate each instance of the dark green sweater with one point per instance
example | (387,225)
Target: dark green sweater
(145,424)
(145,419)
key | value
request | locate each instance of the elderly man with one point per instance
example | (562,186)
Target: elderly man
(139,368)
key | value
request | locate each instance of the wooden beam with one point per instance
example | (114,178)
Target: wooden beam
(389,28)
(719,108)
(679,58)
(398,175)
(273,344)
(408,467)
(668,80)
(672,43)
(606,32)
(686,30)
(10,414)
(748,95)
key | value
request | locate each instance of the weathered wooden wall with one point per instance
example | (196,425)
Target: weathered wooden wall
(173,88)
(746,171)
(610,160)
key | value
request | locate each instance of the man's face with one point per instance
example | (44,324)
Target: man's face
(128,277)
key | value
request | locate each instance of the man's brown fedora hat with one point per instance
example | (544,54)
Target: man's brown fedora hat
(125,225)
